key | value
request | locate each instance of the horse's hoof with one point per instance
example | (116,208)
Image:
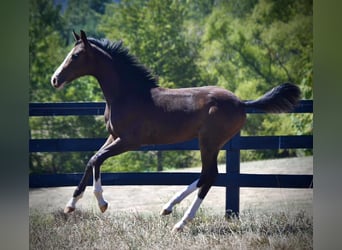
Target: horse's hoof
(104,207)
(179,226)
(165,212)
(177,229)
(68,210)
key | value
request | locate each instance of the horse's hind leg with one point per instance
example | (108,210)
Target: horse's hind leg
(178,197)
(206,180)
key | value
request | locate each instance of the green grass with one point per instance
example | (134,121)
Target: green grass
(124,230)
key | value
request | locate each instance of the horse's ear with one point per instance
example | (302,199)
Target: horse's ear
(76,37)
(84,39)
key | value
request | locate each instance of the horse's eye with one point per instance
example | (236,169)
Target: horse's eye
(74,56)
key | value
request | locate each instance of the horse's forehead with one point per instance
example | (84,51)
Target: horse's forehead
(71,51)
(78,42)
(68,56)
(78,45)
(76,49)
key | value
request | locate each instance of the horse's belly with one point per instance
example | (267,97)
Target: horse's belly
(172,131)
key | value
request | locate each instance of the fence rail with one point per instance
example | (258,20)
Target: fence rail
(232,179)
(97,108)
(246,143)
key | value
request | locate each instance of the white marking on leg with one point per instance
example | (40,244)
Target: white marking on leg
(98,193)
(189,214)
(72,202)
(97,189)
(178,197)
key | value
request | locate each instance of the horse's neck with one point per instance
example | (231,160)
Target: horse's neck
(108,80)
(113,88)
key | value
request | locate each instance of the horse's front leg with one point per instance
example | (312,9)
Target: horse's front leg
(111,147)
(78,193)
(97,189)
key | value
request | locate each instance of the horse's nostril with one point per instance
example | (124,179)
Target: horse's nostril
(54,81)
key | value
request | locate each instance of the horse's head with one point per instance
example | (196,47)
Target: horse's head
(75,63)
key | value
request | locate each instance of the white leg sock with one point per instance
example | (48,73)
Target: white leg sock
(97,189)
(72,202)
(178,197)
(189,214)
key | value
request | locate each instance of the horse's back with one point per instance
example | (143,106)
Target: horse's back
(182,114)
(188,99)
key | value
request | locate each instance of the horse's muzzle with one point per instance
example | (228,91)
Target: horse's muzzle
(57,82)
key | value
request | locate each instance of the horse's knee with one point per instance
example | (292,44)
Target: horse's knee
(92,162)
(95,163)
(93,166)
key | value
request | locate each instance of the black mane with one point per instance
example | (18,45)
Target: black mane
(130,70)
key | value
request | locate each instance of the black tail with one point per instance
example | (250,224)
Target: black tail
(282,98)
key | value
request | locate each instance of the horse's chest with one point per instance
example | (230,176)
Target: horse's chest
(116,122)
(109,122)
(110,127)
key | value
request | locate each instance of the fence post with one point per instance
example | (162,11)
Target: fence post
(233,167)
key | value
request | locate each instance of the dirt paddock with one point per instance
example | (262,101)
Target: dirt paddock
(151,198)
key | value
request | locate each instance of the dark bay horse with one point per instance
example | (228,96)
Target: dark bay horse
(139,112)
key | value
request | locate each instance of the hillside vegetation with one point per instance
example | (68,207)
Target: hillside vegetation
(245,46)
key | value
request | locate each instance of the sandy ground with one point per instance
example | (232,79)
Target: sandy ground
(152,198)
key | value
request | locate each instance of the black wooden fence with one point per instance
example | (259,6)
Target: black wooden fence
(232,179)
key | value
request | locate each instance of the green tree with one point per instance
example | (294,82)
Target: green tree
(251,46)
(84,15)
(45,43)
(47,49)
(245,46)
(154,32)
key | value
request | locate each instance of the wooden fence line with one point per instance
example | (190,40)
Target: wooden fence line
(232,179)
